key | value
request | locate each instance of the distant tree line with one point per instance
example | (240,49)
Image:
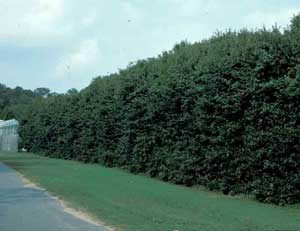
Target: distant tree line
(223,113)
(14,102)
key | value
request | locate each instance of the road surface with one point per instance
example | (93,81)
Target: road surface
(29,209)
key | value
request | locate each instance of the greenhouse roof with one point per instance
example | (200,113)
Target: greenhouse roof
(8,123)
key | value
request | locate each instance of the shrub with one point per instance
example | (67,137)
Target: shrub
(224,113)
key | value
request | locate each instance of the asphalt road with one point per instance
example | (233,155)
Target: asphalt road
(28,209)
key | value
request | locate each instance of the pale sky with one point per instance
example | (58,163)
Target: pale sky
(63,44)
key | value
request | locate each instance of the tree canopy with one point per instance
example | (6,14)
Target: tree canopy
(13,102)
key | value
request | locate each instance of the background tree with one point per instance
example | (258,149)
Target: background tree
(42,91)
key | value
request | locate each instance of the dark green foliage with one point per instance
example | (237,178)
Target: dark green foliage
(41,91)
(224,113)
(14,102)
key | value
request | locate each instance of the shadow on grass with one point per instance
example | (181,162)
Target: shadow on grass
(22,162)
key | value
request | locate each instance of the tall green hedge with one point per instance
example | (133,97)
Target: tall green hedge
(224,113)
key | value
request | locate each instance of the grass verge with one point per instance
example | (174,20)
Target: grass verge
(137,203)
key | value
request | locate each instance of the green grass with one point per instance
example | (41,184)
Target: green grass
(137,203)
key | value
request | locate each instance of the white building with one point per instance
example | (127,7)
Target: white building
(9,137)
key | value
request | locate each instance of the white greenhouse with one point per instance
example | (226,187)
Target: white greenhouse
(9,137)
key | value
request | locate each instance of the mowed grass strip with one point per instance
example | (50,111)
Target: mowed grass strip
(138,203)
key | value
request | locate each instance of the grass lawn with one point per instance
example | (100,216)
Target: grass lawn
(137,203)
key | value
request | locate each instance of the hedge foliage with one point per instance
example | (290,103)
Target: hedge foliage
(223,112)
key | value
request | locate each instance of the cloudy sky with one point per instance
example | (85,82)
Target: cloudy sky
(63,44)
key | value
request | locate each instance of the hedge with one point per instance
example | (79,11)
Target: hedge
(223,113)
